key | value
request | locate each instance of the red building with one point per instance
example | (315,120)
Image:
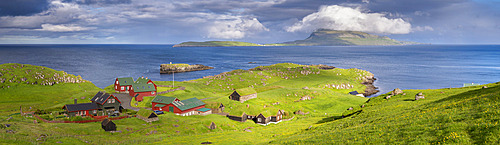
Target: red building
(123,85)
(139,91)
(192,106)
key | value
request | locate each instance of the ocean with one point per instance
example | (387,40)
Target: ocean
(404,67)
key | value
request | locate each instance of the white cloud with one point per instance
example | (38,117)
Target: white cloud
(64,28)
(235,28)
(346,18)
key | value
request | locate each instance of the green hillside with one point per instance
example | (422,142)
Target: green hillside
(215,44)
(446,116)
(326,37)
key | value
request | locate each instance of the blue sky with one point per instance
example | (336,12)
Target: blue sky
(258,21)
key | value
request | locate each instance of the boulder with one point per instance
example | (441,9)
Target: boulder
(305,88)
(388,97)
(484,87)
(396,91)
(350,108)
(419,96)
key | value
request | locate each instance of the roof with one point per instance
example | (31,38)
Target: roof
(163,99)
(142,80)
(126,81)
(81,107)
(354,93)
(246,91)
(101,97)
(203,109)
(145,113)
(143,87)
(106,121)
(160,105)
(188,104)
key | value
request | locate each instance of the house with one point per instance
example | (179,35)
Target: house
(192,106)
(107,103)
(219,108)
(103,104)
(141,88)
(147,115)
(83,109)
(139,91)
(123,85)
(108,125)
(241,118)
(261,119)
(356,93)
(212,126)
(278,116)
(243,94)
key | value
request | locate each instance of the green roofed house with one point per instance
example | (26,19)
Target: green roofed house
(192,106)
(123,85)
(243,94)
(147,115)
(142,87)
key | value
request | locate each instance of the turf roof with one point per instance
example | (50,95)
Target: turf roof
(246,91)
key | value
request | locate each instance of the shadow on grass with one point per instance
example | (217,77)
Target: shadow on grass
(329,119)
(409,100)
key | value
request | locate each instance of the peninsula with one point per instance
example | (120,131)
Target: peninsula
(177,68)
(215,44)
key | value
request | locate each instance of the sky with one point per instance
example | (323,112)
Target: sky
(257,21)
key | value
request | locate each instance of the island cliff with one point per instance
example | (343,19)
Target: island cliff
(177,68)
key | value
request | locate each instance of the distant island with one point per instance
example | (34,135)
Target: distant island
(320,37)
(215,44)
(177,68)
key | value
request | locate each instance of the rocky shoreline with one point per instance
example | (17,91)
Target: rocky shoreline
(172,68)
(370,88)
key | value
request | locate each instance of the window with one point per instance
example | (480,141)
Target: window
(160,109)
(95,111)
(259,120)
(117,82)
(123,88)
(112,100)
(152,93)
(116,87)
(127,87)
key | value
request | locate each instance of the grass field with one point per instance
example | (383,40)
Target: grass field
(459,115)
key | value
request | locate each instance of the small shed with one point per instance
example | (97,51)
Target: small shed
(261,119)
(108,125)
(147,115)
(203,111)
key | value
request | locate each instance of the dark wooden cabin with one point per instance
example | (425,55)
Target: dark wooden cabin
(261,119)
(241,118)
(108,125)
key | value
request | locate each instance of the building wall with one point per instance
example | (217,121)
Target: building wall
(247,97)
(141,94)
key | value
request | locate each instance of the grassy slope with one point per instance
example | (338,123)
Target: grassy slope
(458,116)
(217,43)
(330,101)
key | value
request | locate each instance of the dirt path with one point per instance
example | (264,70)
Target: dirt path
(125,99)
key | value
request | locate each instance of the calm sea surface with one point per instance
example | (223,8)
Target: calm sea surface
(405,67)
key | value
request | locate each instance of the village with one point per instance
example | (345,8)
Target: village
(104,106)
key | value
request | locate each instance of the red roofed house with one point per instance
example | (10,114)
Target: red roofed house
(192,106)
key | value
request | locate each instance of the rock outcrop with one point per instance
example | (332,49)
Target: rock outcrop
(173,68)
(396,91)
(370,88)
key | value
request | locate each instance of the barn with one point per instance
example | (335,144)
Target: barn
(192,106)
(243,94)
(123,85)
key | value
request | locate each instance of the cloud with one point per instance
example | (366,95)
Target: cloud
(235,28)
(22,7)
(346,18)
(424,28)
(64,28)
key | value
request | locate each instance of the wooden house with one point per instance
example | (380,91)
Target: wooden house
(241,118)
(243,94)
(184,108)
(123,85)
(108,104)
(143,80)
(261,119)
(108,125)
(278,116)
(147,115)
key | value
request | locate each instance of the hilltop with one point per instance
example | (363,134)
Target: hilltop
(215,44)
(326,37)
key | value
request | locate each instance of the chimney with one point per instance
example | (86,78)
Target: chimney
(76,100)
